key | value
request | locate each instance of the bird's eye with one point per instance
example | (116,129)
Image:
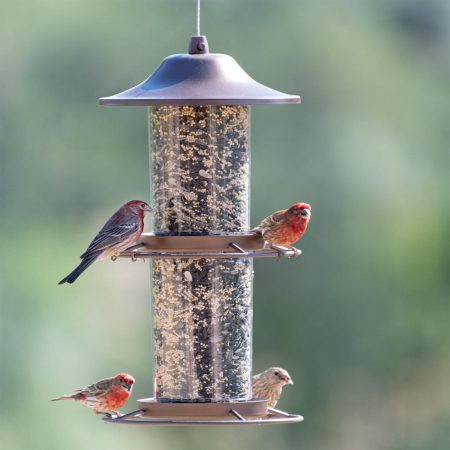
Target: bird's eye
(276,373)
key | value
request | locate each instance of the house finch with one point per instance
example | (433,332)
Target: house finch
(268,384)
(285,227)
(123,228)
(105,396)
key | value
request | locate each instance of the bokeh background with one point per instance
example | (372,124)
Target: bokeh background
(361,320)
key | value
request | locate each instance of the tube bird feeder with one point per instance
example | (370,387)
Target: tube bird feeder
(201,248)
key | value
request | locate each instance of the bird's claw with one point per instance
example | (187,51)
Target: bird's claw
(280,250)
(112,414)
(284,251)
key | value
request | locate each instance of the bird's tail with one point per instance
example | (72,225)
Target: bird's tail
(85,263)
(63,397)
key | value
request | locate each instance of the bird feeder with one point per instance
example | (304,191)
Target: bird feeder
(201,248)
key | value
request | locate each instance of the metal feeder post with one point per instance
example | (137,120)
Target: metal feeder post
(202,270)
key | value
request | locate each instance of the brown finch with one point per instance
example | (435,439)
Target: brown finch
(122,229)
(285,227)
(105,396)
(268,384)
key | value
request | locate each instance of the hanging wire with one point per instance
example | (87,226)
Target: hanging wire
(198,17)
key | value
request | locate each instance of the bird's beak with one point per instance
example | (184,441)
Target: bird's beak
(306,213)
(287,380)
(128,386)
(148,209)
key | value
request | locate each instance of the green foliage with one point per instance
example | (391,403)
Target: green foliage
(360,320)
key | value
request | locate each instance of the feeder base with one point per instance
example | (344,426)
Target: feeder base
(253,412)
(238,245)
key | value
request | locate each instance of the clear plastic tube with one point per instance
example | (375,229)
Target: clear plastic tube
(200,159)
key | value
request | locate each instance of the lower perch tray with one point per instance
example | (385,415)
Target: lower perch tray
(248,245)
(252,412)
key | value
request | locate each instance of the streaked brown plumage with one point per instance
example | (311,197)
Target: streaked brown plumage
(105,396)
(269,384)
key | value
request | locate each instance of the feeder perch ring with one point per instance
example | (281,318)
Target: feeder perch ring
(253,412)
(248,245)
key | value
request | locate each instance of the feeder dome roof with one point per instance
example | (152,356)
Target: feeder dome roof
(199,78)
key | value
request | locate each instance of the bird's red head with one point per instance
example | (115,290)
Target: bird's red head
(125,380)
(300,210)
(138,207)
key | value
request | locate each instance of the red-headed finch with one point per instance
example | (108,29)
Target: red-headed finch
(105,396)
(268,384)
(285,227)
(122,229)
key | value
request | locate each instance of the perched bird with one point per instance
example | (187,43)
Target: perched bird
(285,227)
(105,396)
(268,384)
(123,228)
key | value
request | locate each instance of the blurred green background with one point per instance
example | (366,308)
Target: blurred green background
(361,320)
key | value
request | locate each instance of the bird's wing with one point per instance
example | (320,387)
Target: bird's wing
(109,236)
(270,221)
(98,389)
